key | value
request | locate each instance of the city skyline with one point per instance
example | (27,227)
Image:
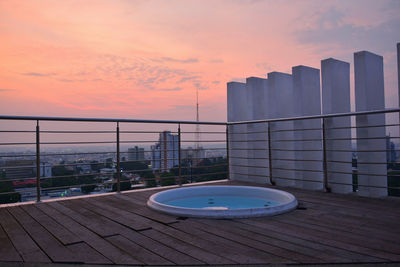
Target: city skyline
(134,59)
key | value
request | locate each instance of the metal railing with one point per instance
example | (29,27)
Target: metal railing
(298,151)
(191,168)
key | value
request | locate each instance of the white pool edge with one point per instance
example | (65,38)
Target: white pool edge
(287,206)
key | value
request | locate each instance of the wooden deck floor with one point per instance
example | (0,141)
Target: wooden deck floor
(120,229)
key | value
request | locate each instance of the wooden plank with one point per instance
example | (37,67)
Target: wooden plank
(123,217)
(162,250)
(361,219)
(355,209)
(282,249)
(385,204)
(7,250)
(60,232)
(328,254)
(338,254)
(203,244)
(283,254)
(102,246)
(356,254)
(193,251)
(23,243)
(50,245)
(87,254)
(130,205)
(140,253)
(240,253)
(94,222)
(338,224)
(98,225)
(378,248)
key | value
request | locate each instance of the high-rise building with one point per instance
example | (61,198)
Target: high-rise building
(135,154)
(390,151)
(165,153)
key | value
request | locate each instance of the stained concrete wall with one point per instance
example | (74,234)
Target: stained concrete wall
(257,137)
(370,95)
(280,102)
(308,154)
(237,111)
(299,163)
(336,99)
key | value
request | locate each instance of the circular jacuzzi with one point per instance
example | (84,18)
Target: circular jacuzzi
(222,201)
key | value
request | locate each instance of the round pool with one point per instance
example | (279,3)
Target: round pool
(222,201)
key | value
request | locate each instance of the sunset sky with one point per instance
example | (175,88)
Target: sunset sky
(145,59)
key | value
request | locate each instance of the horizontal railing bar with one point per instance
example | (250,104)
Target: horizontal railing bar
(58,154)
(88,153)
(295,150)
(37,118)
(16,131)
(17,179)
(182,141)
(358,162)
(70,119)
(91,132)
(246,141)
(293,179)
(363,138)
(299,170)
(369,174)
(203,174)
(16,144)
(300,160)
(198,167)
(295,130)
(367,126)
(233,157)
(319,116)
(264,149)
(358,185)
(295,140)
(247,132)
(76,185)
(249,166)
(201,132)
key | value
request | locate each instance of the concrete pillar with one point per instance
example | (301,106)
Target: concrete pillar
(280,102)
(237,111)
(257,132)
(369,92)
(398,70)
(398,74)
(306,89)
(336,99)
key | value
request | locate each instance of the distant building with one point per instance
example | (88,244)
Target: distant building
(20,169)
(165,153)
(45,169)
(390,150)
(196,155)
(156,157)
(135,154)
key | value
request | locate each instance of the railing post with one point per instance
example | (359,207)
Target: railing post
(270,155)
(118,163)
(325,166)
(227,151)
(37,162)
(179,155)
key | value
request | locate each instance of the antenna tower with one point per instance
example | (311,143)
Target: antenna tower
(197,134)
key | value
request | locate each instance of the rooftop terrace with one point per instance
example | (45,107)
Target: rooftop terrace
(120,229)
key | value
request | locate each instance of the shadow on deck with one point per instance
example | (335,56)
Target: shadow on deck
(120,229)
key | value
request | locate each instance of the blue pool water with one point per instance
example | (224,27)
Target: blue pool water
(221,202)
